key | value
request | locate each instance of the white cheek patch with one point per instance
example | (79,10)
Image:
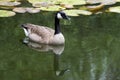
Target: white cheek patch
(26,32)
(59,16)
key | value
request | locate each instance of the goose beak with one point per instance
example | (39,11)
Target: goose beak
(68,18)
(23,26)
(25,29)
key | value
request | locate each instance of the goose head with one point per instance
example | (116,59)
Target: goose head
(26,28)
(61,15)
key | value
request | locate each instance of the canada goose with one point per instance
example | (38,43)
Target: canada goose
(46,35)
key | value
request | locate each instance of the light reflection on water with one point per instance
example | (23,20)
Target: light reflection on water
(57,51)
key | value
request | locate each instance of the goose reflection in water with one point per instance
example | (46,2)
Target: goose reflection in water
(57,50)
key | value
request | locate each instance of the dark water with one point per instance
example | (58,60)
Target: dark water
(91,51)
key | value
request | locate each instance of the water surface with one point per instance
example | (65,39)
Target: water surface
(91,51)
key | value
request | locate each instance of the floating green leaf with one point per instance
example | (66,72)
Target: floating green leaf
(41,4)
(115,9)
(76,12)
(104,2)
(52,8)
(19,10)
(72,12)
(5,13)
(68,6)
(37,1)
(95,8)
(32,10)
(93,1)
(6,0)
(108,2)
(7,3)
(118,0)
(72,2)
(26,9)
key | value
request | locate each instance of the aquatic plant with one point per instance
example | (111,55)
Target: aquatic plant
(71,7)
(115,9)
(26,9)
(75,12)
(5,13)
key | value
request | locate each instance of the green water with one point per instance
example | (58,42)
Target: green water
(91,51)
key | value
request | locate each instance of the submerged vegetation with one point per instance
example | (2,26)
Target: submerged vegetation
(71,7)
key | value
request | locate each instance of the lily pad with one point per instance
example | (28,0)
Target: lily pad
(7,3)
(93,1)
(71,14)
(42,4)
(115,9)
(6,0)
(19,10)
(37,1)
(108,2)
(52,8)
(118,0)
(32,10)
(5,13)
(104,2)
(71,2)
(26,9)
(68,6)
(95,8)
(76,12)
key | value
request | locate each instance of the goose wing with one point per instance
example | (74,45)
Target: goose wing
(44,31)
(44,34)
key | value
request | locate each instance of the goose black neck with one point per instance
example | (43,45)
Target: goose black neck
(57,26)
